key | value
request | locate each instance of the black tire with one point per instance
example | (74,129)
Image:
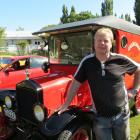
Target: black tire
(82,132)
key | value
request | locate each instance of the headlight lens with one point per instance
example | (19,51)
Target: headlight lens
(39,113)
(8,102)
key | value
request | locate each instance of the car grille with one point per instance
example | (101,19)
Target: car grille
(28,94)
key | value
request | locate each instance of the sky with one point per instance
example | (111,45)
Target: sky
(32,15)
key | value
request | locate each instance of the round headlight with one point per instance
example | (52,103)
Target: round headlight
(8,102)
(39,113)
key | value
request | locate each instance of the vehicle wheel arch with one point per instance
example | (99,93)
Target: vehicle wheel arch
(76,129)
(66,119)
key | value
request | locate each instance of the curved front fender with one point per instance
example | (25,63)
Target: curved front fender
(56,123)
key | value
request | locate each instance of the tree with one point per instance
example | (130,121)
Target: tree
(122,16)
(2,37)
(73,16)
(64,18)
(127,17)
(84,15)
(22,44)
(97,15)
(107,7)
(137,11)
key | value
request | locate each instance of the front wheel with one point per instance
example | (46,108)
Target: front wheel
(80,133)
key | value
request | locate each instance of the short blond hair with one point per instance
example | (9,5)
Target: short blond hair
(105,30)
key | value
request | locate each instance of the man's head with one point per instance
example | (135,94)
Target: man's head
(103,40)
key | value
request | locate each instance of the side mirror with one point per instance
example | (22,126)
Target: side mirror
(45,66)
(9,70)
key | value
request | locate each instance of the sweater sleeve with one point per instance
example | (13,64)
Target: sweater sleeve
(130,66)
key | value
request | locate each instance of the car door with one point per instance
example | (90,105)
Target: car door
(12,75)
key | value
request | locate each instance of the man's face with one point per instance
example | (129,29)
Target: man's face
(102,43)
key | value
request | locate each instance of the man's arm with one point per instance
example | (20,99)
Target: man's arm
(136,87)
(72,90)
(137,79)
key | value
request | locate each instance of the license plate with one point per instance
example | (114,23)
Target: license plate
(10,114)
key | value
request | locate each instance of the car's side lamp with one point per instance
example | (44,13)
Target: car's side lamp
(45,66)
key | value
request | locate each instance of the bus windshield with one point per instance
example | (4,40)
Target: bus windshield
(70,48)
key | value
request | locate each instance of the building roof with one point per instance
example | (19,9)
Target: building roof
(20,35)
(107,21)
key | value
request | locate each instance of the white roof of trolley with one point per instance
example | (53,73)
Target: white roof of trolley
(107,21)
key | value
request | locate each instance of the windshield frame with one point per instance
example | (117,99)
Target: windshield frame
(85,35)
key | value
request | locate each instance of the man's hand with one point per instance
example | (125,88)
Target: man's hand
(62,109)
(72,90)
(132,93)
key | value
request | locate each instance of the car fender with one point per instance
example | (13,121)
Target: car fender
(56,123)
(52,126)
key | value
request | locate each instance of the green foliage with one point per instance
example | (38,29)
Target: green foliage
(73,16)
(2,37)
(39,52)
(84,15)
(126,17)
(22,44)
(137,11)
(107,7)
(97,15)
(64,18)
(122,16)
(135,128)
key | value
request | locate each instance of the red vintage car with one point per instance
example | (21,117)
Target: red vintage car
(30,109)
(17,67)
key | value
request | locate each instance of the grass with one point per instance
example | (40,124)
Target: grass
(135,127)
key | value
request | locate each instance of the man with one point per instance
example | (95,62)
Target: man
(105,74)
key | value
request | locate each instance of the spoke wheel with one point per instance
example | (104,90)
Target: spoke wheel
(81,133)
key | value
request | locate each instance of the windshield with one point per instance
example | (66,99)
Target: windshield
(5,60)
(37,62)
(70,48)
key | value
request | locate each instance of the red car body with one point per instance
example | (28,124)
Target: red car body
(11,75)
(68,44)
